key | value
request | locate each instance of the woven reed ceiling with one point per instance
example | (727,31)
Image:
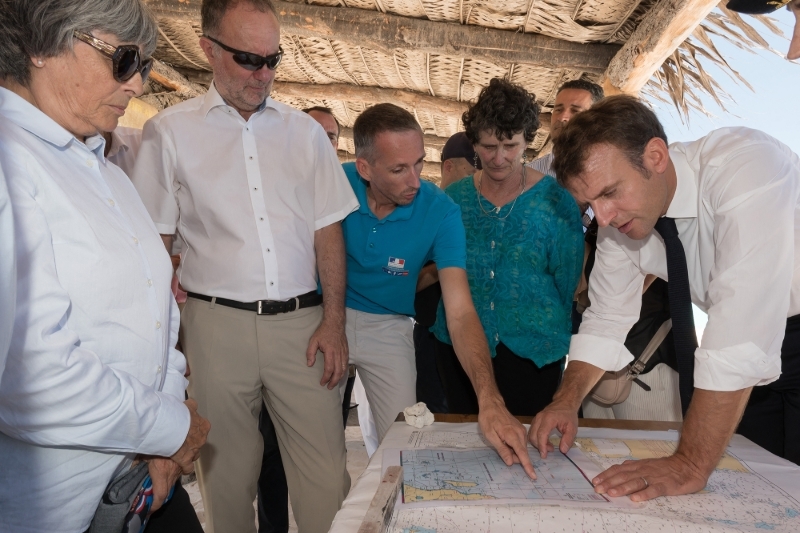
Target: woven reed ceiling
(577,38)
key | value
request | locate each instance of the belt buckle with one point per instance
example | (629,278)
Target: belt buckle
(258,311)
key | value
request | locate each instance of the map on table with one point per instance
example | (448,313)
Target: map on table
(736,499)
(479,474)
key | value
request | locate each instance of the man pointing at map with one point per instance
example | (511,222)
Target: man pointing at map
(717,219)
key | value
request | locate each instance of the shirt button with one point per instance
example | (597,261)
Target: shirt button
(135,240)
(496,337)
(492,245)
(149,282)
(269,250)
(491,306)
(159,369)
(271,283)
(158,325)
(111,202)
(88,162)
(372,245)
(251,158)
(491,274)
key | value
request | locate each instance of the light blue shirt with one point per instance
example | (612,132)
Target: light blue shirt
(385,257)
(92,376)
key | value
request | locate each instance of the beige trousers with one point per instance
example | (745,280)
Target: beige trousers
(236,357)
(662,403)
(382,348)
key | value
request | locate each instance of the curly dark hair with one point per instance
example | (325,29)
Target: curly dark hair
(503,108)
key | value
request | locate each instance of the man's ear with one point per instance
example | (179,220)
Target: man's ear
(208,49)
(364,168)
(447,166)
(656,155)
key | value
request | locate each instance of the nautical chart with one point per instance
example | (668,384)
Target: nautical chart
(736,499)
(480,474)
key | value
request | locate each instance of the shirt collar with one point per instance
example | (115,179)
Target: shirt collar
(28,117)
(401,212)
(117,144)
(213,99)
(684,201)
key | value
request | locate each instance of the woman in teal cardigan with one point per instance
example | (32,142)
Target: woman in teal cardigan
(524,257)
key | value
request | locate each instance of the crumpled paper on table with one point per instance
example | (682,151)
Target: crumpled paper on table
(418,415)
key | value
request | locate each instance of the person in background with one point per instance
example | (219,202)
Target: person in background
(324,115)
(717,219)
(403,222)
(762,7)
(257,195)
(524,257)
(458,160)
(273,491)
(93,379)
(122,146)
(573,97)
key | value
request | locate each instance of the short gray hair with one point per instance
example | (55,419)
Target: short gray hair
(44,28)
(212,11)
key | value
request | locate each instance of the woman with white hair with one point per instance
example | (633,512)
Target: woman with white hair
(93,381)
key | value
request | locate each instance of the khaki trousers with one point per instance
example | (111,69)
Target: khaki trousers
(382,348)
(237,357)
(662,403)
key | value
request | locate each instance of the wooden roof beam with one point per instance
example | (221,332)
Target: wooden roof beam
(661,31)
(377,95)
(385,32)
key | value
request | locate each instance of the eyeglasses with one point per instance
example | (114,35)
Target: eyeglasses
(126,59)
(250,61)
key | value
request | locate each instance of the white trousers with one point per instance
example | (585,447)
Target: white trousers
(662,403)
(382,348)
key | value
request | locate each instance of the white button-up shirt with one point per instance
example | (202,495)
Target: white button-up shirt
(125,143)
(91,379)
(245,196)
(8,273)
(737,209)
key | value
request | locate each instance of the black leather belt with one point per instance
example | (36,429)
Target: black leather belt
(267,307)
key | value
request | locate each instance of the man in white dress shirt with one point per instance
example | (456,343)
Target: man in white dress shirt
(8,272)
(257,195)
(734,197)
(122,146)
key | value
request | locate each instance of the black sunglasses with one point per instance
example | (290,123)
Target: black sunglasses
(250,61)
(126,59)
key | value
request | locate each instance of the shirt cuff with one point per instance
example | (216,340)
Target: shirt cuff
(735,368)
(169,430)
(338,216)
(165,229)
(602,352)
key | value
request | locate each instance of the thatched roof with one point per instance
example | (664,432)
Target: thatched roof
(434,56)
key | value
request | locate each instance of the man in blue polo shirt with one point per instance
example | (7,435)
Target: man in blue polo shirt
(403,223)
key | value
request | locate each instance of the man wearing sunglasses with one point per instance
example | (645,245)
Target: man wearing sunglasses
(257,196)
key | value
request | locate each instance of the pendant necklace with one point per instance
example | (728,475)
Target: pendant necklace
(496,210)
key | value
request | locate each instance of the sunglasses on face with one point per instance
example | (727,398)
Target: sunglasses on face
(126,59)
(250,61)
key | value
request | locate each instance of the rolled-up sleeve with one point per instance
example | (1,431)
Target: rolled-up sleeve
(155,177)
(615,292)
(749,290)
(333,196)
(56,392)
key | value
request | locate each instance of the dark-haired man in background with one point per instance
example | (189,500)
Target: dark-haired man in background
(717,219)
(572,98)
(324,115)
(383,263)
